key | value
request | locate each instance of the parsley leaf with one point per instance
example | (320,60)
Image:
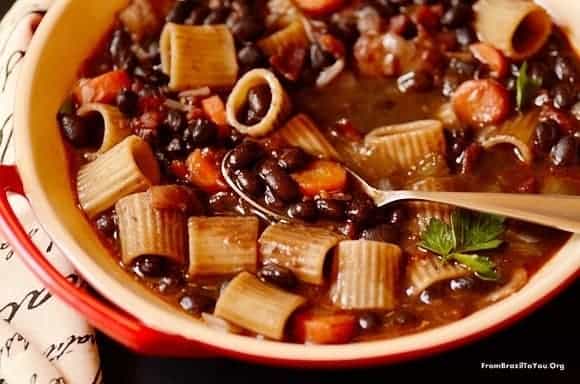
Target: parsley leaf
(525,86)
(467,233)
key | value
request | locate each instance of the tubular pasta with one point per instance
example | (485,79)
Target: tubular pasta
(293,36)
(300,131)
(406,144)
(116,127)
(196,56)
(256,306)
(299,248)
(144,230)
(424,272)
(127,168)
(519,28)
(279,108)
(222,245)
(367,275)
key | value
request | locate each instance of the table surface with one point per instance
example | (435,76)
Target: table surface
(543,337)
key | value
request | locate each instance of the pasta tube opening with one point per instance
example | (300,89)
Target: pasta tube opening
(302,132)
(114,125)
(279,106)
(519,28)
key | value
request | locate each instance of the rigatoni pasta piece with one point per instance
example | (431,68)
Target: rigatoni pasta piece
(421,213)
(300,131)
(115,126)
(291,37)
(299,248)
(144,230)
(222,245)
(127,168)
(280,105)
(367,275)
(424,272)
(517,131)
(256,306)
(196,56)
(518,28)
(406,144)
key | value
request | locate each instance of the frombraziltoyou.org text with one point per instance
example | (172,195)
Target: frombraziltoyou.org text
(524,365)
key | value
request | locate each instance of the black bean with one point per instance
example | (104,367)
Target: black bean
(223,202)
(180,11)
(464,68)
(546,134)
(563,95)
(457,16)
(128,102)
(250,57)
(120,50)
(278,275)
(273,201)
(200,133)
(541,74)
(233,138)
(175,121)
(565,152)
(169,284)
(259,99)
(106,224)
(361,210)
(331,209)
(319,59)
(280,183)
(248,181)
(465,36)
(344,26)
(305,210)
(149,266)
(511,84)
(457,142)
(246,29)
(416,81)
(368,321)
(388,233)
(386,8)
(217,16)
(462,283)
(395,216)
(197,16)
(151,76)
(196,302)
(245,155)
(175,148)
(292,159)
(564,69)
(74,130)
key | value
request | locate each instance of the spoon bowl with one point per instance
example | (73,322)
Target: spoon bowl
(557,211)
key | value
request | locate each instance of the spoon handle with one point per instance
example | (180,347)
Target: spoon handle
(558,211)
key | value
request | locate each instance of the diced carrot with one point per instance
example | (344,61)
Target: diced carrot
(102,89)
(321,176)
(215,109)
(491,57)
(323,329)
(204,170)
(480,102)
(319,7)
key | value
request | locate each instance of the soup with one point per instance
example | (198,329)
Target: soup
(289,96)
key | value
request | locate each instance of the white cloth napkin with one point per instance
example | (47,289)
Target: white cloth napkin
(42,341)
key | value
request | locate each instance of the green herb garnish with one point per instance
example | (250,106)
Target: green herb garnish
(525,86)
(467,233)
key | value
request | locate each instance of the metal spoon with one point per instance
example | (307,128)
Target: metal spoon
(558,211)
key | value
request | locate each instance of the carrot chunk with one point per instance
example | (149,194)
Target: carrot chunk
(204,170)
(319,7)
(480,102)
(491,57)
(102,89)
(321,176)
(323,329)
(214,109)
